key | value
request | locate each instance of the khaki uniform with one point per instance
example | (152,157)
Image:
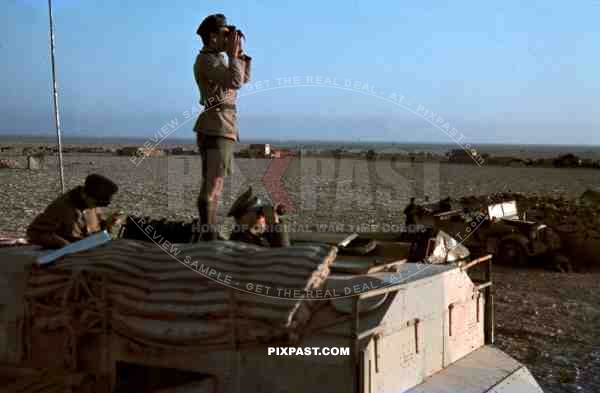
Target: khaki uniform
(217,126)
(276,235)
(66,217)
(218,83)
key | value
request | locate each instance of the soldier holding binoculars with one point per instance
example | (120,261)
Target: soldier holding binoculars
(216,127)
(257,222)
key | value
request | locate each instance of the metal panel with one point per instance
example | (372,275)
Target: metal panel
(423,298)
(457,287)
(520,381)
(404,358)
(479,372)
(463,333)
(10,343)
(12,286)
(287,374)
(397,364)
(431,344)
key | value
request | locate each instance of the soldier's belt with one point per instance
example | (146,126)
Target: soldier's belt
(222,107)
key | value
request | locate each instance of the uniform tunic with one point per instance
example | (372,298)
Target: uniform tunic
(218,83)
(67,217)
(217,126)
(275,238)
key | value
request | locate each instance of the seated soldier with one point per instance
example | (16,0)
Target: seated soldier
(257,223)
(74,215)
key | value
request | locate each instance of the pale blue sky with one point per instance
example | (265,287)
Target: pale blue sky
(498,72)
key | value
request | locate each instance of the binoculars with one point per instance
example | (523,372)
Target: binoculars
(268,210)
(234,30)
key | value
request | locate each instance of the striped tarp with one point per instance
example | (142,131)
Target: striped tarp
(186,295)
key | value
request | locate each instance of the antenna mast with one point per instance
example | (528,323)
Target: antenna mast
(55,95)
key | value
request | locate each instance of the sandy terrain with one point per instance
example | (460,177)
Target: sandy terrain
(549,321)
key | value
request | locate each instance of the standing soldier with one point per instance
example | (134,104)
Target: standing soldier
(411,213)
(216,128)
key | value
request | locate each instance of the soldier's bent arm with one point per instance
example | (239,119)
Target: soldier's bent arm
(230,77)
(278,236)
(103,221)
(247,67)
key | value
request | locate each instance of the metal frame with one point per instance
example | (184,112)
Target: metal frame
(488,292)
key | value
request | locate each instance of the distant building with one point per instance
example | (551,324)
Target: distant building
(260,150)
(460,155)
(265,150)
(151,152)
(281,153)
(140,151)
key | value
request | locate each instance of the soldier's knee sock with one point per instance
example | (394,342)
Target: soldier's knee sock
(203,217)
(197,226)
(211,221)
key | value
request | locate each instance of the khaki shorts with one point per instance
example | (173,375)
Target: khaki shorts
(217,163)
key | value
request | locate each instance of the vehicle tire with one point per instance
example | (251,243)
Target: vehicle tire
(562,264)
(511,253)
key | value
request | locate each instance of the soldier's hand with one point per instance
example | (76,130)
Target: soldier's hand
(279,210)
(113,220)
(233,45)
(240,49)
(116,219)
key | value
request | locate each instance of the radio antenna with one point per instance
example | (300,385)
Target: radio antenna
(55,95)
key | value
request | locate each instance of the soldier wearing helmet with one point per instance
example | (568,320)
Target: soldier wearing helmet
(257,222)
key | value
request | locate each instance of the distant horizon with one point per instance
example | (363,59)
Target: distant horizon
(51,138)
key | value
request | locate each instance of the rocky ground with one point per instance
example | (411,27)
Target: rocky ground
(549,321)
(321,191)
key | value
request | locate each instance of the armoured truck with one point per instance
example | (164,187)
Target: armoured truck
(152,316)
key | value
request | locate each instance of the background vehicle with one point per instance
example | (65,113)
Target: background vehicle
(498,229)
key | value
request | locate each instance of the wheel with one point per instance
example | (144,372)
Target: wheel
(562,264)
(512,253)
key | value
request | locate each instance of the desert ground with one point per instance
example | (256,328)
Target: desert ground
(321,190)
(549,321)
